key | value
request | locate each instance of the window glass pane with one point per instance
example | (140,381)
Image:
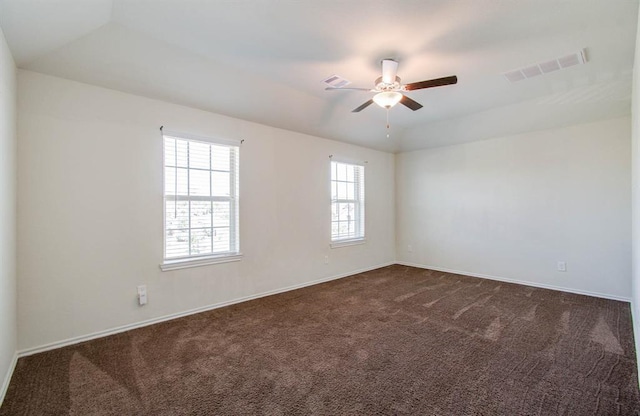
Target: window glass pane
(221,241)
(221,214)
(177,243)
(182,182)
(200,241)
(350,174)
(342,190)
(176,215)
(170,181)
(334,212)
(351,191)
(199,155)
(199,183)
(221,158)
(169,151)
(181,154)
(221,185)
(346,212)
(200,214)
(343,229)
(342,172)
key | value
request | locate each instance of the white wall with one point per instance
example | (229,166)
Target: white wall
(635,181)
(8,332)
(511,207)
(90,210)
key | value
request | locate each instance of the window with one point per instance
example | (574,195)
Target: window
(347,203)
(200,201)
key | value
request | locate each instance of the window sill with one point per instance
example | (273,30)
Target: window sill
(347,243)
(197,262)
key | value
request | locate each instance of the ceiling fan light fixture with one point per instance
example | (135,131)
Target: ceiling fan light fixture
(387,99)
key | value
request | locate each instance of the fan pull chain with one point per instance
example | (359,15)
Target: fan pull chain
(388,127)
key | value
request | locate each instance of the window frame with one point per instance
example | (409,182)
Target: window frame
(197,260)
(359,236)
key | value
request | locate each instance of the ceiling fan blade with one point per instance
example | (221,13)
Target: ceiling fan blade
(389,70)
(363,106)
(347,88)
(414,105)
(438,82)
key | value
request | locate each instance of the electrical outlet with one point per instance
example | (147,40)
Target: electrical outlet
(562,266)
(326,259)
(410,248)
(142,295)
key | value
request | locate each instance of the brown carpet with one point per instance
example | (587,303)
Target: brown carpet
(393,341)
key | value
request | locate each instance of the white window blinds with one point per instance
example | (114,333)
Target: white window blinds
(347,202)
(200,198)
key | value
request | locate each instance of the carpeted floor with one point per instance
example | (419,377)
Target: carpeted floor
(393,341)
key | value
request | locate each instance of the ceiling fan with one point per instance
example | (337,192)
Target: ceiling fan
(390,90)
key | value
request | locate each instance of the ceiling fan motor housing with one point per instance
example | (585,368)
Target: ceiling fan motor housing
(383,86)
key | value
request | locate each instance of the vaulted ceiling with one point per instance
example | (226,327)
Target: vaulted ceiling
(264,60)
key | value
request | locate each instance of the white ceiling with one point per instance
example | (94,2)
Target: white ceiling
(264,60)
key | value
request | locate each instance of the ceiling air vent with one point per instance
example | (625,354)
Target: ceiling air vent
(336,81)
(534,70)
(550,66)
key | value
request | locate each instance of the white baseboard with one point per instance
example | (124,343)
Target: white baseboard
(7,377)
(123,328)
(520,282)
